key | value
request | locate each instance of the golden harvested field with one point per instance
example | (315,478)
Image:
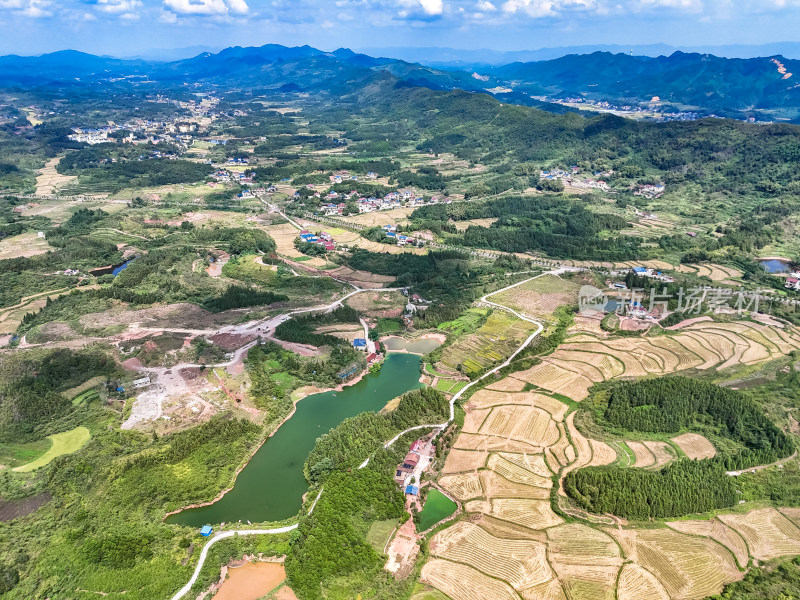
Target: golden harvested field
(473,441)
(495,486)
(539,297)
(644,458)
(508,384)
(586,560)
(459,461)
(463,486)
(695,445)
(602,454)
(663,452)
(506,485)
(474,418)
(534,514)
(522,470)
(687,566)
(520,563)
(23,245)
(635,583)
(461,582)
(584,359)
(768,533)
(464,225)
(716,530)
(49,181)
(524,423)
(396,216)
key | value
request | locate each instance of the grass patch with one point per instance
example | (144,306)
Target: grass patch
(302,258)
(63,443)
(13,455)
(389,326)
(379,534)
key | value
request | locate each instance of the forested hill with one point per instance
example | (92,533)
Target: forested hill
(701,82)
(728,160)
(708,82)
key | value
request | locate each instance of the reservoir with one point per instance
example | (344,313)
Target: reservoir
(271,486)
(775,265)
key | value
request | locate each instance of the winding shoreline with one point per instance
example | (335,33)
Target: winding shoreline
(300,397)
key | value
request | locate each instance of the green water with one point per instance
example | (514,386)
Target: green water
(271,486)
(437,507)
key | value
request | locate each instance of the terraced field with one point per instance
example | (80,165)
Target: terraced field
(516,445)
(489,345)
(585,359)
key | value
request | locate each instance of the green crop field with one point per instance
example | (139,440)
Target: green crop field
(63,443)
(379,534)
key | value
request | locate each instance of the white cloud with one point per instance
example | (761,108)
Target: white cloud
(119,6)
(533,8)
(432,7)
(207,7)
(29,8)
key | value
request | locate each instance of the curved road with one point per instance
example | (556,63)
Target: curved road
(525,344)
(441,426)
(226,534)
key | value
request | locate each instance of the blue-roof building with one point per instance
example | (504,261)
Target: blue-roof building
(412,490)
(206,530)
(359,343)
(639,270)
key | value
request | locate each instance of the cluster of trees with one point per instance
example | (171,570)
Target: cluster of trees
(331,543)
(31,386)
(301,330)
(669,405)
(672,404)
(346,446)
(329,555)
(781,582)
(681,488)
(99,168)
(555,225)
(238,296)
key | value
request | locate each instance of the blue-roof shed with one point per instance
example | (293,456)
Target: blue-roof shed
(206,530)
(412,490)
(639,270)
(359,343)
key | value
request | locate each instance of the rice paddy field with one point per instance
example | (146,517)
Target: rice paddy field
(516,446)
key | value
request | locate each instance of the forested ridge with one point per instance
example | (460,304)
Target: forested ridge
(552,224)
(670,405)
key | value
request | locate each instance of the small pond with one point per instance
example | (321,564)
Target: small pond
(775,265)
(120,268)
(423,345)
(437,507)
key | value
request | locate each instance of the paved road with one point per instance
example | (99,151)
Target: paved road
(226,534)
(525,344)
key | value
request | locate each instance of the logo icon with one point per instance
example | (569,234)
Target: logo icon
(591,300)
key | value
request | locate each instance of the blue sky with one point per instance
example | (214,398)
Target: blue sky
(126,27)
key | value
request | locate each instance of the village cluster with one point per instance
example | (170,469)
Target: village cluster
(573,179)
(198,115)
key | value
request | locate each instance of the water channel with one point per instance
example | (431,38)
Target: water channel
(271,486)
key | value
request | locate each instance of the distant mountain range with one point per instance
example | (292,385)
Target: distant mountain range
(471,59)
(766,87)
